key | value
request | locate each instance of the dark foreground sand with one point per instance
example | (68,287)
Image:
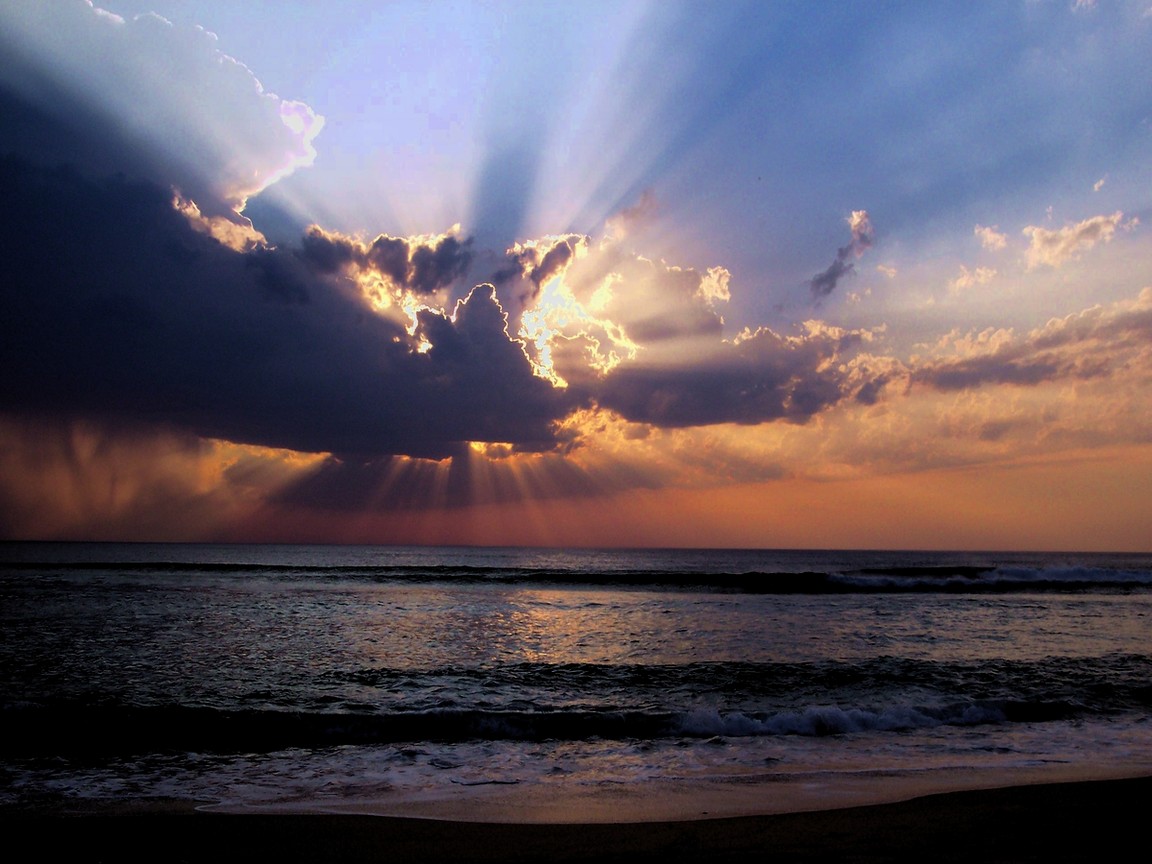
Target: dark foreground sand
(1087,821)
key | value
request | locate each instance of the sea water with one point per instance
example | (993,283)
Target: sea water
(411,680)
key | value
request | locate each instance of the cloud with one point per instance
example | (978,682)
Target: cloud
(236,234)
(1095,343)
(991,238)
(714,286)
(1055,248)
(760,377)
(129,304)
(969,278)
(118,308)
(824,283)
(645,339)
(538,261)
(148,99)
(660,306)
(421,265)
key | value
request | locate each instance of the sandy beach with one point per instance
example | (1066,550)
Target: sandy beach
(1081,821)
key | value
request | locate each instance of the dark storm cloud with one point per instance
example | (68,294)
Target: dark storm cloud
(121,309)
(434,267)
(116,308)
(157,101)
(330,253)
(58,128)
(762,378)
(421,267)
(392,256)
(825,282)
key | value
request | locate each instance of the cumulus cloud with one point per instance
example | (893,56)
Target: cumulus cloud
(118,308)
(645,340)
(538,261)
(1094,343)
(761,377)
(990,238)
(1054,248)
(178,110)
(825,282)
(714,286)
(650,303)
(128,304)
(969,278)
(422,265)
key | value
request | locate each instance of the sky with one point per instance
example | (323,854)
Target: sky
(724,274)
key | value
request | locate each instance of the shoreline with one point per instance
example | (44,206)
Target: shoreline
(677,801)
(1067,821)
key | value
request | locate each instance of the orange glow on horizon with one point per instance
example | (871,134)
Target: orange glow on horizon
(1097,497)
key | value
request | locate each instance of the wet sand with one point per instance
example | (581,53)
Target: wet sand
(1082,821)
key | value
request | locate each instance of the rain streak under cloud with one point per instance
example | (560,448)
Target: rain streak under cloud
(628,331)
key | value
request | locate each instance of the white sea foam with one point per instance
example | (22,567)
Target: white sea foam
(407,779)
(820,720)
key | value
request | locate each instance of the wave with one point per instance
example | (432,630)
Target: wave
(726,676)
(945,578)
(822,720)
(540,701)
(78,731)
(1110,684)
(537,702)
(994,579)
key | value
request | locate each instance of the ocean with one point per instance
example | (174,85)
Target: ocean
(531,684)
